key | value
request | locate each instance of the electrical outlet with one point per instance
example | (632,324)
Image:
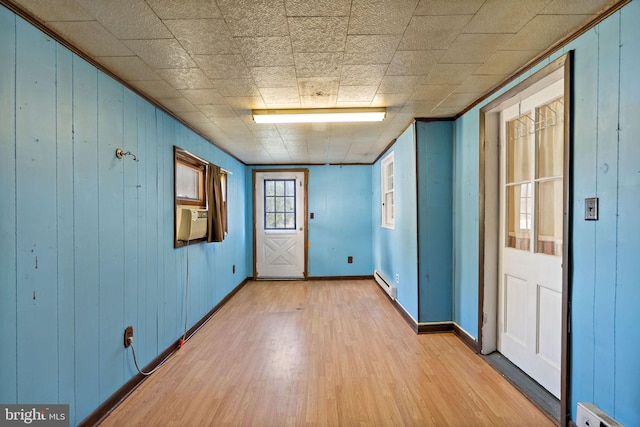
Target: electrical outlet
(397,278)
(128,336)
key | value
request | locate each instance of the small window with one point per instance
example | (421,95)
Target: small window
(279,204)
(190,181)
(388,195)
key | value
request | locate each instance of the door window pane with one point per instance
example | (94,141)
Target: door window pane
(549,217)
(519,210)
(550,138)
(279,204)
(519,149)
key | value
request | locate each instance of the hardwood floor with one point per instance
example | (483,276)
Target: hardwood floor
(322,353)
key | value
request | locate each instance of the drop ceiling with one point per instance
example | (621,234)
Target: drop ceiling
(210,62)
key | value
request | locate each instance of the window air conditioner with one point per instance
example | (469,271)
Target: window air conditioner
(193,224)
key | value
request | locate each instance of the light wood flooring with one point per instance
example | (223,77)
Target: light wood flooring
(322,353)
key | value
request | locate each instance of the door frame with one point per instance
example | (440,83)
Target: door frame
(304,213)
(488,219)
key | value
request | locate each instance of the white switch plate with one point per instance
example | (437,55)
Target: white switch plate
(591,209)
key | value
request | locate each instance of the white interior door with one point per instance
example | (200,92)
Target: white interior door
(279,206)
(531,224)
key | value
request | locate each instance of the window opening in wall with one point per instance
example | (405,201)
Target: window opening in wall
(388,192)
(279,204)
(200,200)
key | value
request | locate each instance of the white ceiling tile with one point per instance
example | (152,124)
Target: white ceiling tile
(186,78)
(432,92)
(156,88)
(318,86)
(319,101)
(318,34)
(389,99)
(91,36)
(127,19)
(265,51)
(223,66)
(473,48)
(356,93)
(398,84)
(505,62)
(413,63)
(194,117)
(60,10)
(543,30)
(318,7)
(475,84)
(370,49)
(203,36)
(254,18)
(576,7)
(449,73)
(217,111)
(432,32)
(274,76)
(280,95)
(246,102)
(380,16)
(236,87)
(177,105)
(448,7)
(161,53)
(318,64)
(362,75)
(494,17)
(203,96)
(460,100)
(185,9)
(130,68)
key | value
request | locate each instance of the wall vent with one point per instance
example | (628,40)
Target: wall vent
(386,284)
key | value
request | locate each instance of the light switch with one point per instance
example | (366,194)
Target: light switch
(591,209)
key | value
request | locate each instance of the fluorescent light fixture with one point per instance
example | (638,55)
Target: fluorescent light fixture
(320,115)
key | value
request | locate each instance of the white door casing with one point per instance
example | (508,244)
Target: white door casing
(530,241)
(280,224)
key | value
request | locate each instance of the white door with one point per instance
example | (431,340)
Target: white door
(280,223)
(531,224)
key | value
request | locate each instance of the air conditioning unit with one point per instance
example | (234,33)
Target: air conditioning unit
(193,224)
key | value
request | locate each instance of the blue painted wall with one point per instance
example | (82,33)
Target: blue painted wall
(87,239)
(605,268)
(340,199)
(605,264)
(435,232)
(396,251)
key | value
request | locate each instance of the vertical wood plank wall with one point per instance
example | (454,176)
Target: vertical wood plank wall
(435,160)
(605,265)
(87,239)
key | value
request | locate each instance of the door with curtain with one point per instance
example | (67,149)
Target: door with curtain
(531,224)
(280,234)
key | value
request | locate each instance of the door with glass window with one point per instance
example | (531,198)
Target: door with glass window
(280,224)
(532,183)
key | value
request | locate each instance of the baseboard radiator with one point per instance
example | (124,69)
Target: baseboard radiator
(386,284)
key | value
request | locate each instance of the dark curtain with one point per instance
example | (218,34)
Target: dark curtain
(217,215)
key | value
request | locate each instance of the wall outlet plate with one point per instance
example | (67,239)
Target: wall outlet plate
(128,333)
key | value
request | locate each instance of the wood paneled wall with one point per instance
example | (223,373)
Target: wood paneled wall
(87,239)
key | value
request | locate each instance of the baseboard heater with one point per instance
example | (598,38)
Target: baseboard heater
(385,284)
